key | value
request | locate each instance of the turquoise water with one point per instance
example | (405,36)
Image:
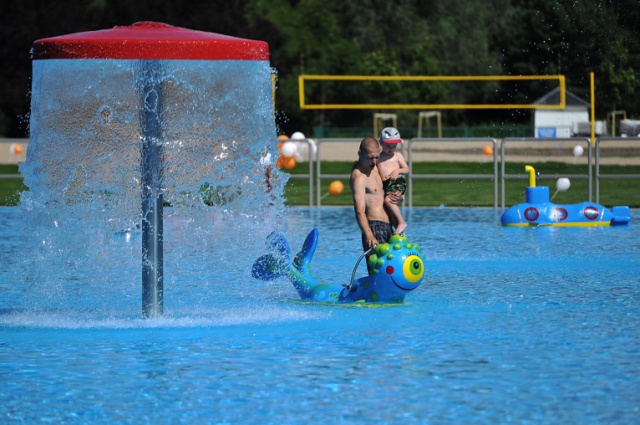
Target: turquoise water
(511,325)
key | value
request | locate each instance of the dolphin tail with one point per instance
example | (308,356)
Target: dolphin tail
(303,258)
(272,266)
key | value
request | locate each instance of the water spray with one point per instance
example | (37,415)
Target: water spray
(117,113)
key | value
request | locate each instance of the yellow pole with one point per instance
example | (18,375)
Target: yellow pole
(301,91)
(563,92)
(593,109)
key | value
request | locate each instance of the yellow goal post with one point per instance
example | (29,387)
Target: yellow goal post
(303,78)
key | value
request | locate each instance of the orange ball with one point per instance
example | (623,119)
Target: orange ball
(288,162)
(281,140)
(336,187)
(488,150)
(16,149)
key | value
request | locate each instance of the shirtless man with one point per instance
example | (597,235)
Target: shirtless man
(368,196)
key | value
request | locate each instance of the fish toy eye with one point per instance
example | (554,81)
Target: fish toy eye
(413,268)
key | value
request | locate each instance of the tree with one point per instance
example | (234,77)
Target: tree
(578,38)
(371,37)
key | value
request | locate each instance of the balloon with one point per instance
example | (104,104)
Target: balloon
(302,151)
(563,184)
(578,150)
(488,150)
(15,148)
(297,136)
(336,187)
(288,149)
(280,162)
(288,162)
(283,137)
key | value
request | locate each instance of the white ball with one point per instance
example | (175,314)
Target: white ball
(578,150)
(288,149)
(563,184)
(297,136)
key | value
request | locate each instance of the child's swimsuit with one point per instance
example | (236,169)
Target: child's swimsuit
(397,185)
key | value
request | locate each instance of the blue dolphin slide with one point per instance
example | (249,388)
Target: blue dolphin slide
(396,268)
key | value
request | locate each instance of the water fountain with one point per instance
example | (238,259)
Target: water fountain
(126,119)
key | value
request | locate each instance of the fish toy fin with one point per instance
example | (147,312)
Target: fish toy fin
(268,267)
(278,243)
(303,258)
(271,266)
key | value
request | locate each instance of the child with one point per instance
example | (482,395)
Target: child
(390,166)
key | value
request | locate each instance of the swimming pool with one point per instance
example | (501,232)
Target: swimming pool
(511,325)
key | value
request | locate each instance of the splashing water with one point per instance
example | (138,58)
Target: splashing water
(83,170)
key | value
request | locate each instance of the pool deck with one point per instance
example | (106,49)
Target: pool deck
(618,152)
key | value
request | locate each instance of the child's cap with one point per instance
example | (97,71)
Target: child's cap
(390,136)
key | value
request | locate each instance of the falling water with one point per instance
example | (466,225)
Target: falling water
(83,213)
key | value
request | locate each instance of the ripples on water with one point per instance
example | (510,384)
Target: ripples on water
(510,325)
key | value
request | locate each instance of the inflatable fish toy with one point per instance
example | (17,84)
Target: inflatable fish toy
(538,210)
(396,268)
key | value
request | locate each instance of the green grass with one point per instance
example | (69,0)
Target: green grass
(10,189)
(450,192)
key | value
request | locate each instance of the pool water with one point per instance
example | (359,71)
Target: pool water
(511,325)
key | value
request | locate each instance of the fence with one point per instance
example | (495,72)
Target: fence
(599,176)
(319,174)
(595,152)
(573,140)
(410,154)
(484,141)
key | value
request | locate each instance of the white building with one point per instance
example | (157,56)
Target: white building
(559,123)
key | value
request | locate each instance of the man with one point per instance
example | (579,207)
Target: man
(368,196)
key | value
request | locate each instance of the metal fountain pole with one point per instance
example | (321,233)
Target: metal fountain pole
(151,164)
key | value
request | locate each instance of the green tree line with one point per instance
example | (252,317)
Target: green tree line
(372,37)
